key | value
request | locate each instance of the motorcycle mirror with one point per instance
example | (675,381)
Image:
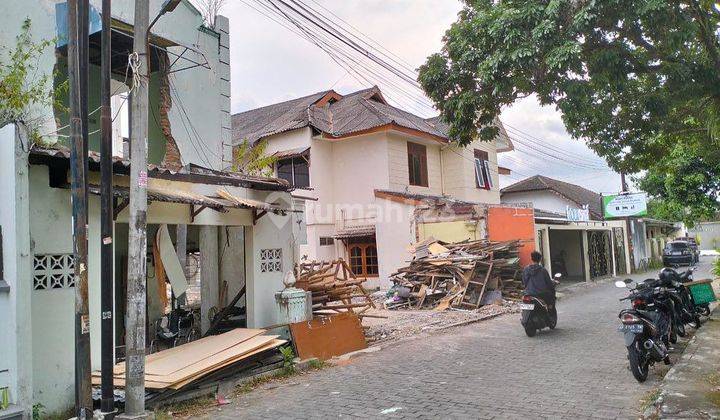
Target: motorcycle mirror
(627,281)
(620,284)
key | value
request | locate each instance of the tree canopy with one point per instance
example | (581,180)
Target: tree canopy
(638,80)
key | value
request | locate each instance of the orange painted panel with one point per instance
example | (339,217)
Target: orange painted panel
(510,223)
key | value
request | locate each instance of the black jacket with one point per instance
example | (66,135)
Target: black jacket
(536,280)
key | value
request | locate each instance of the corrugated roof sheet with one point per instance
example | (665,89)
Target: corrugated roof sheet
(355,232)
(190,173)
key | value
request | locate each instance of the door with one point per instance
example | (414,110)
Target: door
(363,259)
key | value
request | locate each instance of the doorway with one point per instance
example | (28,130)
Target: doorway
(567,254)
(599,253)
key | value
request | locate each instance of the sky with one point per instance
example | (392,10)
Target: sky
(270,64)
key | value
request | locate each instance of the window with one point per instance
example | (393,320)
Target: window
(483,177)
(295,170)
(417,164)
(363,259)
(326,241)
(299,227)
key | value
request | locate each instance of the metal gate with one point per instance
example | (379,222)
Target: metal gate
(619,239)
(598,252)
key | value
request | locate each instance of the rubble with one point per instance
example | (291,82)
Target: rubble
(465,275)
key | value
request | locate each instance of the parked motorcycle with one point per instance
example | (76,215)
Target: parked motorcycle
(647,326)
(681,281)
(538,314)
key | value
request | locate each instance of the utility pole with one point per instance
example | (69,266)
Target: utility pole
(107,402)
(137,246)
(77,75)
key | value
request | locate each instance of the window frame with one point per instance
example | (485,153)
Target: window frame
(419,151)
(363,247)
(481,168)
(327,241)
(301,160)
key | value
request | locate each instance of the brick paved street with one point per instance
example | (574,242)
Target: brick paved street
(486,370)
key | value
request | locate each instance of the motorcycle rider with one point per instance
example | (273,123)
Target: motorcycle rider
(537,281)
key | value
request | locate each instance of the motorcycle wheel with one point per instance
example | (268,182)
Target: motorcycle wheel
(530,331)
(672,337)
(552,318)
(680,328)
(638,364)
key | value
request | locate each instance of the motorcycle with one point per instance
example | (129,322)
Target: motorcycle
(538,314)
(646,327)
(681,281)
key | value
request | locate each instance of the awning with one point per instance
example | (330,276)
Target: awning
(167,195)
(248,203)
(355,232)
(291,153)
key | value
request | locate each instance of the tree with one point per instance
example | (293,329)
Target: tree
(22,89)
(210,9)
(252,160)
(638,80)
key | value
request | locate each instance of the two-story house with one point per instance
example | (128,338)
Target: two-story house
(364,168)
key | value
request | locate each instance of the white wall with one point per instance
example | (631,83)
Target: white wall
(459,172)
(395,230)
(15,311)
(400,172)
(542,200)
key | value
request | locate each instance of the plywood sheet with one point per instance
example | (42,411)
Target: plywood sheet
(192,353)
(327,337)
(218,342)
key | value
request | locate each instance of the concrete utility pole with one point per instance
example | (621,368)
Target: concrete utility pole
(628,225)
(77,75)
(137,245)
(107,360)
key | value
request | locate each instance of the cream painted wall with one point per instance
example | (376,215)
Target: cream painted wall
(459,173)
(399,171)
(394,232)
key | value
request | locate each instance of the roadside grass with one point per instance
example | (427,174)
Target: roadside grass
(198,406)
(714,396)
(649,399)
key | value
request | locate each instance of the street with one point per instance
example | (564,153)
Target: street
(485,370)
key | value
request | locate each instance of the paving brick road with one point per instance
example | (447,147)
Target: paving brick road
(486,370)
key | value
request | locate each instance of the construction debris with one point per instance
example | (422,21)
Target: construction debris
(465,275)
(334,287)
(330,336)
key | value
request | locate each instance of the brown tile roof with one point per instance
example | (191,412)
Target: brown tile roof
(575,193)
(353,113)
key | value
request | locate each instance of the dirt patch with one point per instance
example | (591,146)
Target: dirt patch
(406,323)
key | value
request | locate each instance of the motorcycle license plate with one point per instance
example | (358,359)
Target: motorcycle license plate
(633,328)
(527,306)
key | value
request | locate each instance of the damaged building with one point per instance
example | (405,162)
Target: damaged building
(239,239)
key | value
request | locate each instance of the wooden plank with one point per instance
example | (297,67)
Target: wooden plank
(328,337)
(271,345)
(191,360)
(217,342)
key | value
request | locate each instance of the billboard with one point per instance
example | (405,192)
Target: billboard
(624,205)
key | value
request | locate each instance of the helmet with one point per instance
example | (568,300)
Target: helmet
(668,275)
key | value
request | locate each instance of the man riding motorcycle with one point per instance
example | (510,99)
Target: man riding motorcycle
(537,282)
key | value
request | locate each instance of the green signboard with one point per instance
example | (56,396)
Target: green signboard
(624,205)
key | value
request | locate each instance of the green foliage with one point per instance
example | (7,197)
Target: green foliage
(638,80)
(288,356)
(716,267)
(22,85)
(37,411)
(252,160)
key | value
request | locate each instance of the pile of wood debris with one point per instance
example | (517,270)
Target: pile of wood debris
(334,287)
(465,275)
